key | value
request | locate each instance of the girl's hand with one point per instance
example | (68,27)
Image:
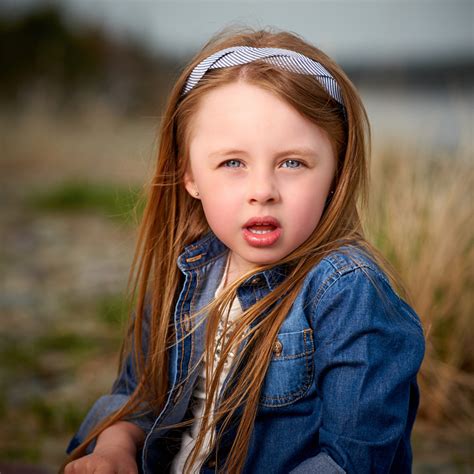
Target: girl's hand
(114,452)
(105,460)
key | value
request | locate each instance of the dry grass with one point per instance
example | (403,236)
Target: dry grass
(421,218)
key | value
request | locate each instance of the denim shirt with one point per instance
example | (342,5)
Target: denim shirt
(340,394)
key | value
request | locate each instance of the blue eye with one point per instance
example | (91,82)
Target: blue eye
(292,164)
(232,163)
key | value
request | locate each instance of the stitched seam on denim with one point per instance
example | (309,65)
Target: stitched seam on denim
(207,262)
(210,260)
(326,284)
(300,354)
(201,242)
(314,309)
(306,360)
(336,259)
(178,376)
(291,395)
(294,332)
(289,398)
(336,276)
(306,384)
(193,332)
(289,357)
(347,255)
(310,301)
(315,304)
(311,342)
(267,280)
(372,269)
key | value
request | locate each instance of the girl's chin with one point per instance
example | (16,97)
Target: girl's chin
(257,257)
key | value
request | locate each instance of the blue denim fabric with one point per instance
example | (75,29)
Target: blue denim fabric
(341,396)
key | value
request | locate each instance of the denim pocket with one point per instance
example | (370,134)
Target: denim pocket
(291,368)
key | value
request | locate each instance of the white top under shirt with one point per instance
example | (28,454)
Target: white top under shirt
(198,399)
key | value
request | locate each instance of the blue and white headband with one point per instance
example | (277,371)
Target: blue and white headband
(283,58)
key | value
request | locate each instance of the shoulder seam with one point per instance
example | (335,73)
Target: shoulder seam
(336,276)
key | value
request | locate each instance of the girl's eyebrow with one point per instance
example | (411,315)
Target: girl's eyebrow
(302,152)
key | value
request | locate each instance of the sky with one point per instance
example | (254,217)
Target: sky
(350,30)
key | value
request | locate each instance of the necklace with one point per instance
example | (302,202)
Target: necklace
(224,323)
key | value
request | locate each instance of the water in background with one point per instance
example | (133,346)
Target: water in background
(435,118)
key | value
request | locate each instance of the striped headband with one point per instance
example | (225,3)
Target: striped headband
(284,58)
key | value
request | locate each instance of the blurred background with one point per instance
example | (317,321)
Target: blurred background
(82,85)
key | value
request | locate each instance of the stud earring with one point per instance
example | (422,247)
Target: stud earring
(196,193)
(329,197)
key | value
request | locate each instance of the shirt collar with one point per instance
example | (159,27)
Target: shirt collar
(209,247)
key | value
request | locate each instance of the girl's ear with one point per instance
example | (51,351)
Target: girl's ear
(190,185)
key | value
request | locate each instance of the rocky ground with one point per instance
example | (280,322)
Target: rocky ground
(63,270)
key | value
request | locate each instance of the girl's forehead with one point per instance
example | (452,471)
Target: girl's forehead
(241,100)
(231,92)
(238,102)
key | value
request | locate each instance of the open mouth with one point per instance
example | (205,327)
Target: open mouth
(261,228)
(262,231)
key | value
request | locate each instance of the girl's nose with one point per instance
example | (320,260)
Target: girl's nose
(263,189)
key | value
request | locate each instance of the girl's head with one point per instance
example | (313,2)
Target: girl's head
(261,140)
(257,165)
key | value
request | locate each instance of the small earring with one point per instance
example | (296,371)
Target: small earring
(329,197)
(196,193)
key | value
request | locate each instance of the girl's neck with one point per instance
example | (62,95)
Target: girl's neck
(233,270)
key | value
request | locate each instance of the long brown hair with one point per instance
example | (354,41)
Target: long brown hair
(173,219)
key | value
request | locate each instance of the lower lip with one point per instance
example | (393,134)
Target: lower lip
(262,240)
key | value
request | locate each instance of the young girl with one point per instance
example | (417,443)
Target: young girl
(266,336)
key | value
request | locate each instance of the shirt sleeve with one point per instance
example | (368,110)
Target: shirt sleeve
(124,385)
(369,348)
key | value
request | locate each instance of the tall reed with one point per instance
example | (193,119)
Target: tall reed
(421,218)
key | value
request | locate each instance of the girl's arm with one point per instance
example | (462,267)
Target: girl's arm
(122,434)
(115,451)
(369,348)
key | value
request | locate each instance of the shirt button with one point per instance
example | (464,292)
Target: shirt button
(255,280)
(186,322)
(277,348)
(178,393)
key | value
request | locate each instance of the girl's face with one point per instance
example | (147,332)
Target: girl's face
(262,170)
